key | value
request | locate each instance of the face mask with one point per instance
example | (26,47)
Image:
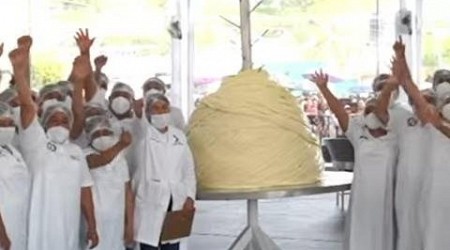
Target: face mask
(48,103)
(443,90)
(160,121)
(7,135)
(372,121)
(120,105)
(58,134)
(446,111)
(16,115)
(104,143)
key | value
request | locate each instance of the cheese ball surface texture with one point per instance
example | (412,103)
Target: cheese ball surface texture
(251,134)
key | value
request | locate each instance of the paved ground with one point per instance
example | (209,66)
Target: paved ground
(309,223)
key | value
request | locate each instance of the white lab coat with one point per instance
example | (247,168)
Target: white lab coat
(58,174)
(370,224)
(437,198)
(413,145)
(109,202)
(164,169)
(15,181)
(177,118)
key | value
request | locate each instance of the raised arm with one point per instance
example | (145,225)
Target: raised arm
(105,157)
(321,80)
(99,62)
(80,71)
(20,59)
(401,71)
(381,110)
(84,43)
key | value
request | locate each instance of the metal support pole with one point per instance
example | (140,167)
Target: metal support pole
(253,237)
(246,37)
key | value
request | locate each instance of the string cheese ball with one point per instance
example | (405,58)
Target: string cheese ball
(251,134)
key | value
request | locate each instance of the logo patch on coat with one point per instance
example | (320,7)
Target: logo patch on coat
(412,121)
(51,147)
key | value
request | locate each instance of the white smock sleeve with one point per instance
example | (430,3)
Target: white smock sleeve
(33,141)
(177,118)
(86,178)
(355,129)
(189,177)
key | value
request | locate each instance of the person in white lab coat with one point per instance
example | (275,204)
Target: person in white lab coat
(155,85)
(435,201)
(15,184)
(165,177)
(113,199)
(413,137)
(370,225)
(60,176)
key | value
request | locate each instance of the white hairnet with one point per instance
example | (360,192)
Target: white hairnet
(154,80)
(96,123)
(150,99)
(50,89)
(5,110)
(8,95)
(58,107)
(66,87)
(94,107)
(122,87)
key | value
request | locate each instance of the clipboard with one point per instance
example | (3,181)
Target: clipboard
(177,225)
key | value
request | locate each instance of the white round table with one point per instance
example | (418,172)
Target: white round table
(253,237)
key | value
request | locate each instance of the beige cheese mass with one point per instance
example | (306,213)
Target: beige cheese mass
(251,134)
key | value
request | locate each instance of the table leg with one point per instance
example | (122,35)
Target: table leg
(253,237)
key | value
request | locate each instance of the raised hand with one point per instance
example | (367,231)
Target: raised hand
(1,49)
(81,67)
(19,59)
(100,62)
(126,138)
(25,42)
(320,79)
(84,42)
(399,48)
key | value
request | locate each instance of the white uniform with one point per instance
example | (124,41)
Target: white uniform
(164,169)
(371,210)
(177,118)
(437,198)
(411,166)
(109,202)
(15,183)
(58,173)
(82,141)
